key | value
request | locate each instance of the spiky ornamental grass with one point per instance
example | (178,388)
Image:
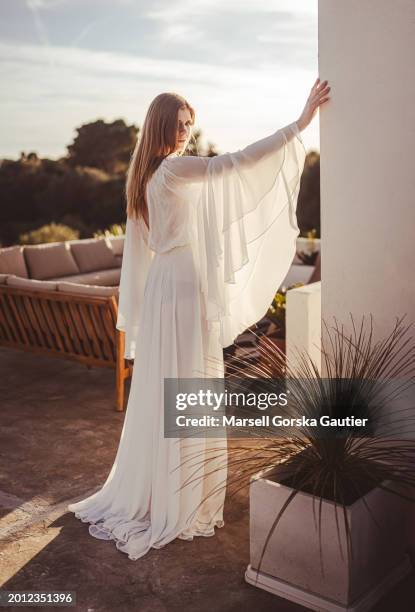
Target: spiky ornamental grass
(341,468)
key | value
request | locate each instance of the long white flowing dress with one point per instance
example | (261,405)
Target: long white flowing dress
(222,237)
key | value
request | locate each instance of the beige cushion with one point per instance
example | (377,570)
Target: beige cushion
(30,283)
(117,244)
(297,274)
(87,289)
(93,254)
(102,277)
(12,261)
(50,260)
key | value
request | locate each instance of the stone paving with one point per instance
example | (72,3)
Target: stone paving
(59,436)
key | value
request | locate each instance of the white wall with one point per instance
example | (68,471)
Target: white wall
(367,140)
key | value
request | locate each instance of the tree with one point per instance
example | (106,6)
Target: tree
(35,194)
(107,146)
(85,190)
(308,207)
(195,146)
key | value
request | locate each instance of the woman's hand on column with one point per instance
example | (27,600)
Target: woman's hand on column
(317,97)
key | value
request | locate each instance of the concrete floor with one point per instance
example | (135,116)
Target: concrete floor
(59,436)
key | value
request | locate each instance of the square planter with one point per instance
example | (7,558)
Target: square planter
(291,565)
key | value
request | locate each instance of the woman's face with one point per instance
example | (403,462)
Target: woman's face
(184,129)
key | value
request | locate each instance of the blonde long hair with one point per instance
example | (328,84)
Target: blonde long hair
(156,141)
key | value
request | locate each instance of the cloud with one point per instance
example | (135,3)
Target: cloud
(182,9)
(246,66)
(233,33)
(33,6)
(44,4)
(110,63)
(243,33)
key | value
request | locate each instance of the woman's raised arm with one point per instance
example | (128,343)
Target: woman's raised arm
(195,169)
(247,229)
(259,150)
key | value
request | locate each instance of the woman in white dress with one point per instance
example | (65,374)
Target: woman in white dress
(208,242)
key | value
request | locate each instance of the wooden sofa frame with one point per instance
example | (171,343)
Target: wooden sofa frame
(66,325)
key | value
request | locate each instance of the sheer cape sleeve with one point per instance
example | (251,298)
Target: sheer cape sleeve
(137,257)
(245,225)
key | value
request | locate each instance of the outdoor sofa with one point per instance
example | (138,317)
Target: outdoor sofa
(61,299)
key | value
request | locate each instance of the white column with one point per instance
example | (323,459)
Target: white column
(367,141)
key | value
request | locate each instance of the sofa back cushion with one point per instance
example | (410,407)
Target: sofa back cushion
(117,244)
(50,260)
(12,261)
(93,254)
(31,283)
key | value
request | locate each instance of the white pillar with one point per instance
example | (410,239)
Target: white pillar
(367,140)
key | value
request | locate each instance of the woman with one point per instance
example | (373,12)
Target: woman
(208,242)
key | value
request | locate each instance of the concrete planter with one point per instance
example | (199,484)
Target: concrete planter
(291,565)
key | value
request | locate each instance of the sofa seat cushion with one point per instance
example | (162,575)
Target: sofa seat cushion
(45,261)
(117,244)
(101,277)
(30,283)
(80,289)
(12,261)
(93,254)
(297,274)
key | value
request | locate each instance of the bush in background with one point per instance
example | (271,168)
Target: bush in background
(85,189)
(116,229)
(53,232)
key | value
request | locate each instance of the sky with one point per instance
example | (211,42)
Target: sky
(246,66)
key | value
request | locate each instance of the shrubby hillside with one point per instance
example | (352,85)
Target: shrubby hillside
(84,190)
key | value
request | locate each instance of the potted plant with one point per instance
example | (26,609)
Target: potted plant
(329,512)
